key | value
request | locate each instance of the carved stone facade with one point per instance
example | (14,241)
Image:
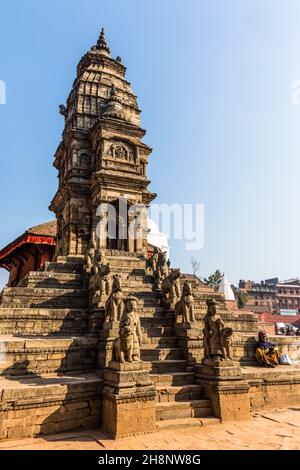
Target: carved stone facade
(101,156)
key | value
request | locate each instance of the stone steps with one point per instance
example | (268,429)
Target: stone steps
(35,356)
(167,393)
(55,303)
(47,280)
(183,409)
(49,404)
(186,423)
(158,331)
(31,321)
(127,262)
(156,322)
(42,297)
(157,341)
(143,295)
(132,288)
(64,267)
(149,313)
(168,366)
(173,378)
(150,354)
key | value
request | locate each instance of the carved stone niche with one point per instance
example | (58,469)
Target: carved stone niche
(121,151)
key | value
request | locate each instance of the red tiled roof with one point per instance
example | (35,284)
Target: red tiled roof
(48,229)
(40,234)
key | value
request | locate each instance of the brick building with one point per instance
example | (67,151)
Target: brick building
(288,296)
(272,295)
(260,294)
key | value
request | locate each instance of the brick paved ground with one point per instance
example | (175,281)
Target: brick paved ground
(278,429)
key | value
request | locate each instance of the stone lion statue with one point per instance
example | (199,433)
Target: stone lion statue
(170,289)
(123,345)
(226,342)
(184,308)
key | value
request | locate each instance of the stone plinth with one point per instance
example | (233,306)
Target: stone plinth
(190,341)
(273,388)
(128,399)
(223,384)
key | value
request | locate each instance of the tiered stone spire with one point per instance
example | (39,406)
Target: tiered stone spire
(102,44)
(101,155)
(114,106)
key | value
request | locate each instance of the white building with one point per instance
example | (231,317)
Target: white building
(225,289)
(156,238)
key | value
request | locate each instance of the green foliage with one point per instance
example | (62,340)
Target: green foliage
(241,297)
(214,279)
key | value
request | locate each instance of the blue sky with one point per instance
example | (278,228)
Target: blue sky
(214,82)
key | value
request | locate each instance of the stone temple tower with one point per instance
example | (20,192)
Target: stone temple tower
(101,157)
(104,336)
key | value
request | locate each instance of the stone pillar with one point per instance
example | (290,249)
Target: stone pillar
(128,399)
(224,386)
(131,233)
(189,340)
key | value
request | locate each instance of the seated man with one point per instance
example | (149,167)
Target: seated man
(266,353)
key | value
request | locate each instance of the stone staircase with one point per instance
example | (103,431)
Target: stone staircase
(49,339)
(48,354)
(179,401)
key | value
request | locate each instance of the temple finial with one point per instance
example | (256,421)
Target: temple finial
(102,44)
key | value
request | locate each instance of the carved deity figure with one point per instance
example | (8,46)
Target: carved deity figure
(170,289)
(99,261)
(114,303)
(216,337)
(131,318)
(154,260)
(89,257)
(159,267)
(184,308)
(100,281)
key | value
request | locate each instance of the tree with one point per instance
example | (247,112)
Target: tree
(241,297)
(195,265)
(214,279)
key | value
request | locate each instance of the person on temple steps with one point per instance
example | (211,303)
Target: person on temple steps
(266,353)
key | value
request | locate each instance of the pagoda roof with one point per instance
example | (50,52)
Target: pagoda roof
(48,228)
(42,234)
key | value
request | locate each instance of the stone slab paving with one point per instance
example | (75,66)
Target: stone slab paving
(277,430)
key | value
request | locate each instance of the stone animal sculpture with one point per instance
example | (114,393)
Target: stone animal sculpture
(114,303)
(184,308)
(123,345)
(102,281)
(226,342)
(170,289)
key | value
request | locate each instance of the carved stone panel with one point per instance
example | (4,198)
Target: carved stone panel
(121,151)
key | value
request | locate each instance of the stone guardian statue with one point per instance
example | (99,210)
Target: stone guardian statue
(212,333)
(131,319)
